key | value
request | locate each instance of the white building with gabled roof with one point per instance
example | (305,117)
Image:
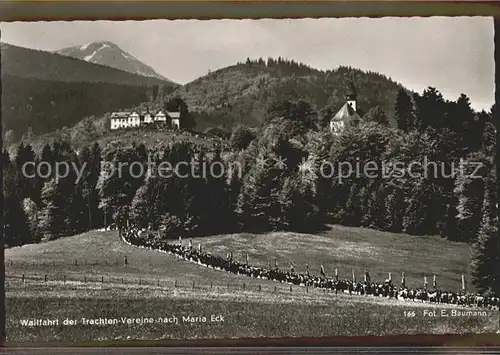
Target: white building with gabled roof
(119,120)
(134,120)
(174,119)
(160,117)
(147,117)
(347,116)
(126,119)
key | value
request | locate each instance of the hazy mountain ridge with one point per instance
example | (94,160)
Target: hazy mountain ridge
(109,54)
(242,93)
(32,63)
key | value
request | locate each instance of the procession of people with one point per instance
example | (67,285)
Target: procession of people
(367,287)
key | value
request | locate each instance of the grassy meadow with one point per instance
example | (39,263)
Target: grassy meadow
(348,248)
(87,277)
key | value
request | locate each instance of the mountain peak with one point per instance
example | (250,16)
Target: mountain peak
(109,54)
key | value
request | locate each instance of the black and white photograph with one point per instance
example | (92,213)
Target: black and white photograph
(247,179)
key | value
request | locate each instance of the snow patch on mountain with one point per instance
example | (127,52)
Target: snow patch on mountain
(128,56)
(109,54)
(85,46)
(88,58)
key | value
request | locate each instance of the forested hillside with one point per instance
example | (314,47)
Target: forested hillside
(242,93)
(41,106)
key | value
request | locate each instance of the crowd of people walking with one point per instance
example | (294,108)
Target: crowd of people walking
(386,288)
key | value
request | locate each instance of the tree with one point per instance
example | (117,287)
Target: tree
(485,263)
(118,183)
(214,192)
(84,132)
(395,210)
(15,222)
(470,190)
(299,112)
(299,208)
(352,212)
(241,138)
(258,203)
(26,177)
(170,226)
(33,214)
(8,138)
(419,218)
(468,126)
(403,111)
(142,205)
(430,109)
(54,219)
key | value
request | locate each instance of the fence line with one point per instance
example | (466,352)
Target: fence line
(123,261)
(75,262)
(164,284)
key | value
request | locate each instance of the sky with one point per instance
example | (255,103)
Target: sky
(454,55)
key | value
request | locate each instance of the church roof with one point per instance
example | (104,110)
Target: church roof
(120,114)
(346,113)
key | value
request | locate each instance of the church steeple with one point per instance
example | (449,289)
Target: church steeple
(351,95)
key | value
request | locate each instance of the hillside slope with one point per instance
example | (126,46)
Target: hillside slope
(87,278)
(44,106)
(45,91)
(345,248)
(109,54)
(241,93)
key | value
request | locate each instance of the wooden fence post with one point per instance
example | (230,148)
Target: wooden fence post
(244,286)
(158,283)
(125,261)
(307,289)
(175,283)
(85,279)
(275,289)
(290,288)
(211,285)
(64,278)
(76,262)
(102,279)
(140,282)
(23,278)
(45,278)
(193,284)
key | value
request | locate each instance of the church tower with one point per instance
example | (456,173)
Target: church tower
(347,116)
(352,96)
